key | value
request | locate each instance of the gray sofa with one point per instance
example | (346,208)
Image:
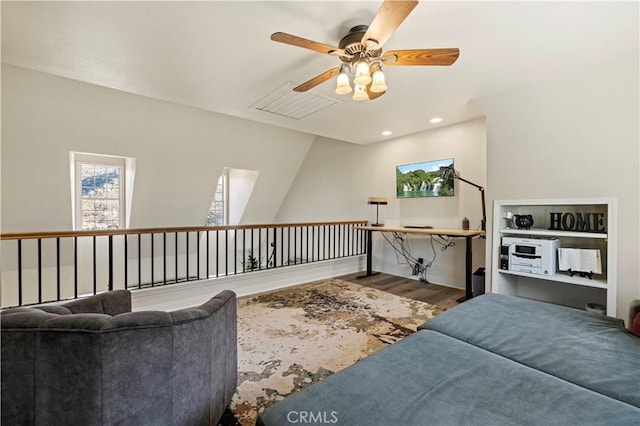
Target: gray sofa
(94,362)
(493,360)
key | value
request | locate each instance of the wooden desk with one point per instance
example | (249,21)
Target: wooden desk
(448,232)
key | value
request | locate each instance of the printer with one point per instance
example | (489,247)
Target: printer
(531,255)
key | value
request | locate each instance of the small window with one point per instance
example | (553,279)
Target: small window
(218,211)
(230,197)
(100,191)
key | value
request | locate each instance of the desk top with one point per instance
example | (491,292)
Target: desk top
(450,232)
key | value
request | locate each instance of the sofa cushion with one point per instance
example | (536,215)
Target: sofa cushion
(110,303)
(433,379)
(585,348)
(24,318)
(55,309)
(76,322)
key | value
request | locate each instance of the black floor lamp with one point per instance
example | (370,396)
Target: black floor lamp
(447,171)
(377,201)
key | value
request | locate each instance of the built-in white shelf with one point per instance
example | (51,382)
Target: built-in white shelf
(561,287)
(562,277)
(552,233)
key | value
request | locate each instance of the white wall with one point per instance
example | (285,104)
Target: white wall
(180,153)
(575,136)
(337,177)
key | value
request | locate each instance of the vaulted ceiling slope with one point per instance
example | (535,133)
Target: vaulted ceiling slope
(218,56)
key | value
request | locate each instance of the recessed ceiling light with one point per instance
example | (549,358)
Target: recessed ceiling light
(386,133)
(435,120)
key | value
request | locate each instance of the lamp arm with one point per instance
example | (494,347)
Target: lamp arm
(470,183)
(483,225)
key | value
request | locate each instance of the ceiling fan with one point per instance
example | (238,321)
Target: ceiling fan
(362,56)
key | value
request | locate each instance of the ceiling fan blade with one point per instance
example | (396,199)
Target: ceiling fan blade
(307,44)
(386,22)
(317,80)
(420,57)
(374,95)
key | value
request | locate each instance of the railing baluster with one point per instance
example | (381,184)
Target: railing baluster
(235,251)
(175,255)
(126,261)
(267,246)
(187,253)
(207,253)
(58,283)
(197,255)
(307,243)
(164,258)
(275,245)
(226,252)
(317,256)
(20,272)
(244,264)
(290,243)
(110,284)
(153,255)
(217,253)
(75,267)
(39,270)
(139,260)
(295,245)
(95,261)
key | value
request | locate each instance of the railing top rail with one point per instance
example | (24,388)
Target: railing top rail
(161,230)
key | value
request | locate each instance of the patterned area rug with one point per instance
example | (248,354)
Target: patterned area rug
(292,338)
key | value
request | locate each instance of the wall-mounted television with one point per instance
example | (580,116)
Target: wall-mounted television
(424,179)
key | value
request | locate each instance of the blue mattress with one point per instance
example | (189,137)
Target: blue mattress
(432,379)
(590,350)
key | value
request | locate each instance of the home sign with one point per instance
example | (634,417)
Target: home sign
(580,222)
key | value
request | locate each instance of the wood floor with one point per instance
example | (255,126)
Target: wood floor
(444,297)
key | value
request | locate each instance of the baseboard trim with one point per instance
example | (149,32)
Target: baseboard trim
(183,295)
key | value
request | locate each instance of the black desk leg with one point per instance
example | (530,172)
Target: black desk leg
(468,289)
(369,256)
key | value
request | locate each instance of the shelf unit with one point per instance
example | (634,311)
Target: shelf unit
(559,288)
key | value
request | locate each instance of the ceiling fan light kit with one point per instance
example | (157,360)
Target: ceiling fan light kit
(378,85)
(361,53)
(362,73)
(342,86)
(360,94)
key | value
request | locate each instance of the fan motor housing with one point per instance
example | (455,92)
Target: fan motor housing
(352,44)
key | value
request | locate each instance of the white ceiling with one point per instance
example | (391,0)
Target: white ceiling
(218,56)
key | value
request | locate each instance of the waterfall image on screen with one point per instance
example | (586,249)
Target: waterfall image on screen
(424,179)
